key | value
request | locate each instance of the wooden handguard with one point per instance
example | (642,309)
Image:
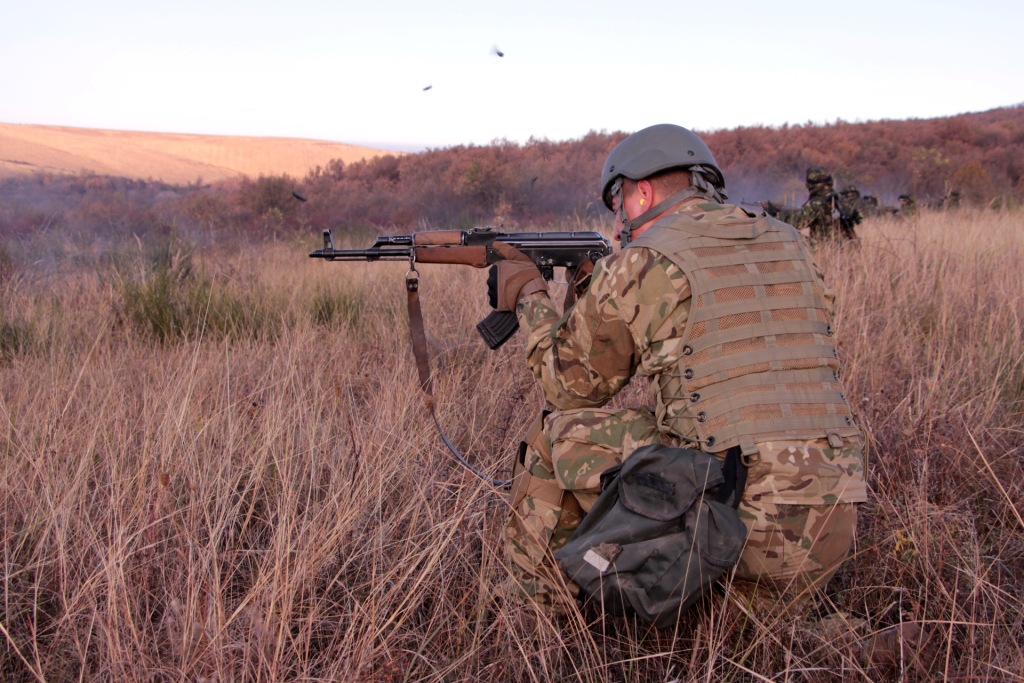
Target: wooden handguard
(460,255)
(438,238)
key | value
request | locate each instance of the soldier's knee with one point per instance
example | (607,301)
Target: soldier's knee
(542,514)
(556,478)
(831,533)
(795,546)
(586,442)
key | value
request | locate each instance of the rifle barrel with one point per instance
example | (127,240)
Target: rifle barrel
(371,254)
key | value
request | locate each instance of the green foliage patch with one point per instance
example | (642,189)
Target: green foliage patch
(333,308)
(165,297)
(15,338)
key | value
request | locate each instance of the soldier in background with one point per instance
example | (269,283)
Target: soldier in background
(824,213)
(851,198)
(869,205)
(908,207)
(951,201)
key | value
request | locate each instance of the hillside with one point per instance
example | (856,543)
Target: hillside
(169,157)
(980,156)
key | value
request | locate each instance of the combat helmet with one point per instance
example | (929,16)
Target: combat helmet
(818,176)
(658,148)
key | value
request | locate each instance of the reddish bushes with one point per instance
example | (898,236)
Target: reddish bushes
(537,183)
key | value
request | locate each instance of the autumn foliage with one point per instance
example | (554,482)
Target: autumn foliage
(981,156)
(537,184)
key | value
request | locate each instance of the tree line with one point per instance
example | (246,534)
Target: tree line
(537,183)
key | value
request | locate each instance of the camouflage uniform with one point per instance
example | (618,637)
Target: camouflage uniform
(852,202)
(825,214)
(908,207)
(799,502)
(869,205)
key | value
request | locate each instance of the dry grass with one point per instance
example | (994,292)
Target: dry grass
(280,508)
(172,158)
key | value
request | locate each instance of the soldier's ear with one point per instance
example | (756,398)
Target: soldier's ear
(646,190)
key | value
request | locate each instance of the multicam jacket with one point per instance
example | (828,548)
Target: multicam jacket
(827,215)
(633,320)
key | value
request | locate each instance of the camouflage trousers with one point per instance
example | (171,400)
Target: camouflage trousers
(788,546)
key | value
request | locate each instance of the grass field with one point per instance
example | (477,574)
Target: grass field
(218,467)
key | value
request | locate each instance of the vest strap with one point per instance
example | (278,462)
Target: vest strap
(820,424)
(822,375)
(702,313)
(769,329)
(774,355)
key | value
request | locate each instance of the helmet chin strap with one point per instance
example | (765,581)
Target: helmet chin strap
(628,226)
(700,187)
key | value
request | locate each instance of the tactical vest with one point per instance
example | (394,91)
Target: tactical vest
(758,360)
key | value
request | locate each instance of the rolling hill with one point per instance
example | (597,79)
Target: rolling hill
(170,157)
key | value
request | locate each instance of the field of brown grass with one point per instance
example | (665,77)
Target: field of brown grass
(173,158)
(217,467)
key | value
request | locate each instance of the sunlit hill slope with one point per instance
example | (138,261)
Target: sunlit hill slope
(170,157)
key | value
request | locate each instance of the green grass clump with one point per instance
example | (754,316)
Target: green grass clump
(332,307)
(164,296)
(15,338)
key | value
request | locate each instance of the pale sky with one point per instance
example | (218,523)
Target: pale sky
(356,71)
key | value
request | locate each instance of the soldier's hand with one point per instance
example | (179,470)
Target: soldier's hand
(515,275)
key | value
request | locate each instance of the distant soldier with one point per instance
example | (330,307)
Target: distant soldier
(869,205)
(824,213)
(850,195)
(908,207)
(852,201)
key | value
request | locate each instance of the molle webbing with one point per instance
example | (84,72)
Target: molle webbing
(758,361)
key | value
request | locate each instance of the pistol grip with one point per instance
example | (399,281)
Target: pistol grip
(497,327)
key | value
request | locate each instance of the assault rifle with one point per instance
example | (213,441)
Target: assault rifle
(575,251)
(783,213)
(849,216)
(549,250)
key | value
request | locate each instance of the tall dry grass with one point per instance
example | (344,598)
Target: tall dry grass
(223,507)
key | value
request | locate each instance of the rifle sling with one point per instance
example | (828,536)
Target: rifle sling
(418,337)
